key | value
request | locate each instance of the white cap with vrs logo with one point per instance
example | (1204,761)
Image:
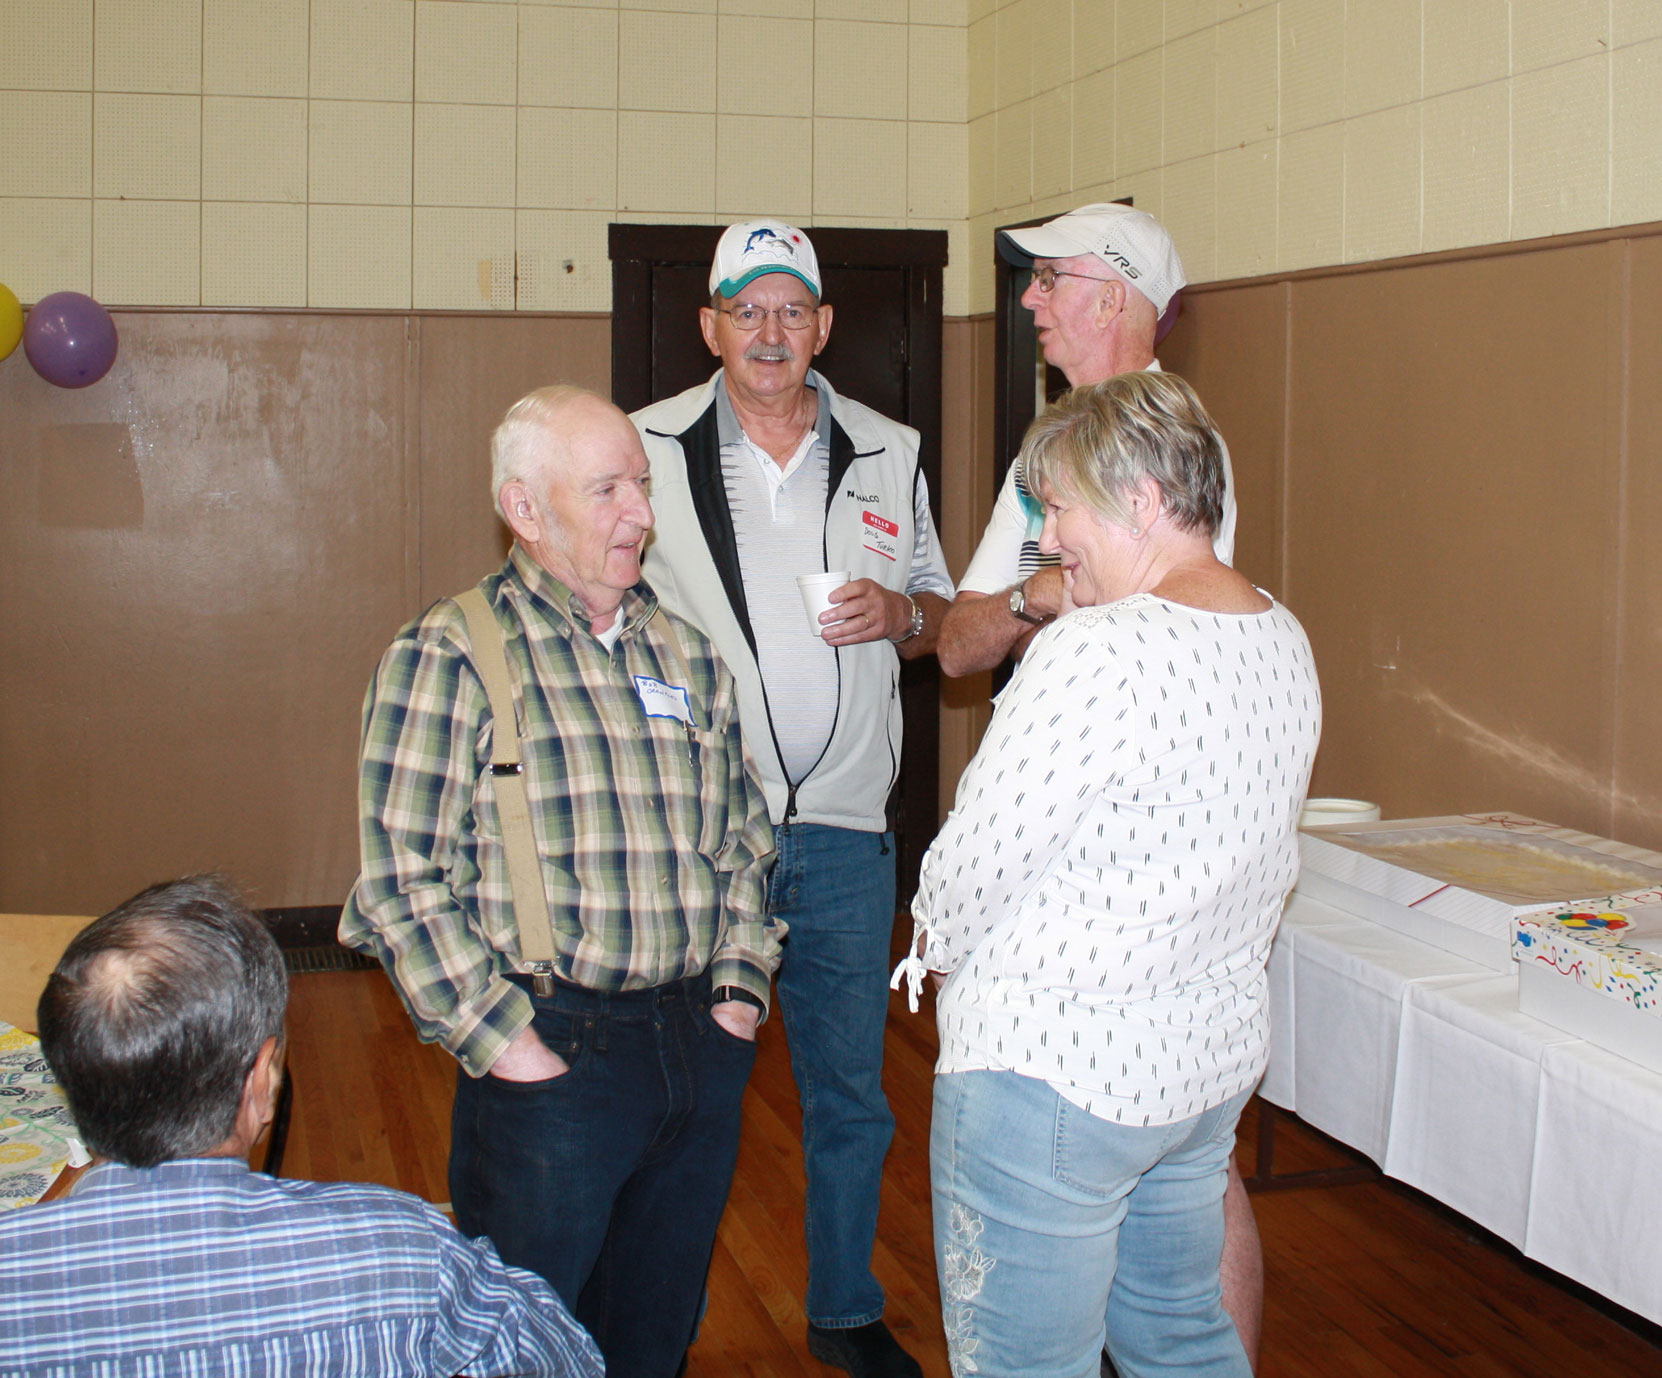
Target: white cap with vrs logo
(1131,242)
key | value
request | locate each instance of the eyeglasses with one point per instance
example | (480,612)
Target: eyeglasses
(751,317)
(1045,278)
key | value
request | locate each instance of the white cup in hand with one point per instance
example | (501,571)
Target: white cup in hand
(816,596)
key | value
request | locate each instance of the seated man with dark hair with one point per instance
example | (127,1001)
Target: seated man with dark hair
(164,1023)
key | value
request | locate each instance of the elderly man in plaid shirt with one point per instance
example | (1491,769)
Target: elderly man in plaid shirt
(597,1112)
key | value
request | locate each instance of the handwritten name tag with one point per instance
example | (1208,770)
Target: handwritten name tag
(663,700)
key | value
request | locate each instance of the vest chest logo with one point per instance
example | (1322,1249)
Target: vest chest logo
(880,535)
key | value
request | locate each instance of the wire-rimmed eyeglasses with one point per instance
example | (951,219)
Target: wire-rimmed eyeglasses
(1045,278)
(747,317)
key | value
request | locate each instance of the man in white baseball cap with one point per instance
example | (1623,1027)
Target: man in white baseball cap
(759,475)
(1131,242)
(1105,279)
(1106,285)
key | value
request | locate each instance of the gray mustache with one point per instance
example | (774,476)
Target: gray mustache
(770,353)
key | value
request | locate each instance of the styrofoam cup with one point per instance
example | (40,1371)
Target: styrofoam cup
(816,595)
(1319,813)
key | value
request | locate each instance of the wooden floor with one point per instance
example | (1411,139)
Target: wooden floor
(1371,1280)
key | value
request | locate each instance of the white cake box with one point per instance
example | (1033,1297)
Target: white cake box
(1459,882)
(1596,974)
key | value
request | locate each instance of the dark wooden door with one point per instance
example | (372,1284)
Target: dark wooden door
(885,351)
(1025,382)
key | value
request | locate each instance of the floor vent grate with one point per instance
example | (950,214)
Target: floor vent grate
(306,960)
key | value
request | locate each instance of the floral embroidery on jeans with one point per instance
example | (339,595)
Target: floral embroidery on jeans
(964,1275)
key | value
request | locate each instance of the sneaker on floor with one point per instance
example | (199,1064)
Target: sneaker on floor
(866,1351)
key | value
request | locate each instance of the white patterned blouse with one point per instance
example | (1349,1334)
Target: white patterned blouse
(1106,887)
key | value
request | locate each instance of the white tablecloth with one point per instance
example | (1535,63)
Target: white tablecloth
(1421,1060)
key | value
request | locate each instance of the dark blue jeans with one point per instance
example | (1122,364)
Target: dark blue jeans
(610,1180)
(835,888)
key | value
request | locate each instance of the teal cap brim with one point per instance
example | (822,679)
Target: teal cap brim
(731,287)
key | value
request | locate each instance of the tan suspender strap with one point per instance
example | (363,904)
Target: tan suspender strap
(519,842)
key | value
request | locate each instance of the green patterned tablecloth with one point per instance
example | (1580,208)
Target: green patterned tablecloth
(37,1136)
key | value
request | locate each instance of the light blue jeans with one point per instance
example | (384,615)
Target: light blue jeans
(1057,1232)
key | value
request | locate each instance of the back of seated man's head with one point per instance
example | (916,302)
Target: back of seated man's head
(155,1016)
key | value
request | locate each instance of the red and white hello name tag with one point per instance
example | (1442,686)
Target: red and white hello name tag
(881,536)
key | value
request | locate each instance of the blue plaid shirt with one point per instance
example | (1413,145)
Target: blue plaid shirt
(202,1267)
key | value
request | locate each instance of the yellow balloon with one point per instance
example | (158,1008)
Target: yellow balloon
(11,320)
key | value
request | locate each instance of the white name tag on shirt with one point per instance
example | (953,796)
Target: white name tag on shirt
(663,700)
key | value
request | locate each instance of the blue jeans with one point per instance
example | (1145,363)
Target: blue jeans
(1057,1232)
(610,1180)
(835,888)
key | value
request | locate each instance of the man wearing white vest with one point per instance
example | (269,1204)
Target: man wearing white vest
(759,475)
(1105,280)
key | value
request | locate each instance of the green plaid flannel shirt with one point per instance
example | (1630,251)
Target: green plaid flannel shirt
(654,837)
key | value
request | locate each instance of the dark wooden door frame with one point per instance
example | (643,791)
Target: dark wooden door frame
(921,255)
(1015,355)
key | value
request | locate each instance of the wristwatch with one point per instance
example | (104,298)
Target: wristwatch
(722,994)
(1018,606)
(916,624)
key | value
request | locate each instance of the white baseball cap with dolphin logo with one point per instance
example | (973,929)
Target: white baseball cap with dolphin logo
(753,248)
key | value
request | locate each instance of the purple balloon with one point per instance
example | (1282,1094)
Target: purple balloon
(1168,317)
(70,339)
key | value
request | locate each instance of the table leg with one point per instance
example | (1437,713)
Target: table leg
(1265,1177)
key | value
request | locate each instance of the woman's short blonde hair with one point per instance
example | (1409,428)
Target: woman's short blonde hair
(1095,444)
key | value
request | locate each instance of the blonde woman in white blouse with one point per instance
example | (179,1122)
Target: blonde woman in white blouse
(1098,909)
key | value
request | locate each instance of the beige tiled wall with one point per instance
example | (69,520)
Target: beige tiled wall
(462,154)
(470,153)
(1272,135)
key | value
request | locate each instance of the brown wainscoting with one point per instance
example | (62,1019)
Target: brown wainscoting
(205,553)
(1447,469)
(202,557)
